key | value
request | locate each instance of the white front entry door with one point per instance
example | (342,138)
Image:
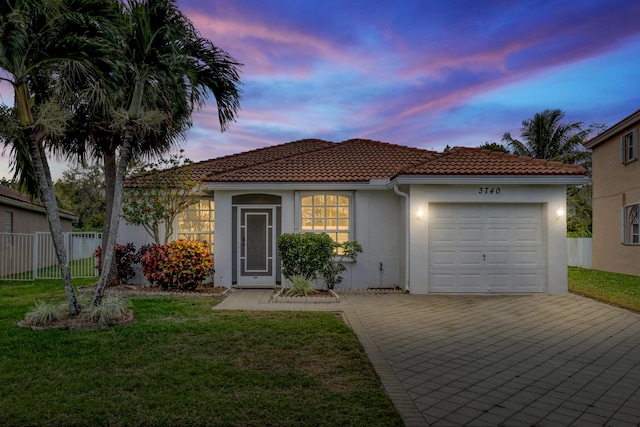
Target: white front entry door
(256,247)
(486,248)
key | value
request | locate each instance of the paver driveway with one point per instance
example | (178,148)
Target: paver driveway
(503,360)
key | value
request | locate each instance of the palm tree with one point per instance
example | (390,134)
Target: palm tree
(44,46)
(170,71)
(547,137)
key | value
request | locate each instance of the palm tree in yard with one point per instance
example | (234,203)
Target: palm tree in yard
(45,45)
(169,71)
(545,136)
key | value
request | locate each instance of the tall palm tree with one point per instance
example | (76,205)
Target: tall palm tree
(547,137)
(44,46)
(170,71)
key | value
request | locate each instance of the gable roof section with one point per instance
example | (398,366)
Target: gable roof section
(355,160)
(208,168)
(630,120)
(476,161)
(11,197)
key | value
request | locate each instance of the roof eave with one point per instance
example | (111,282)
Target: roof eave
(492,179)
(607,134)
(296,186)
(34,208)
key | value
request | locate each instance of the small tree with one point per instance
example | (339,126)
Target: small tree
(159,192)
(334,267)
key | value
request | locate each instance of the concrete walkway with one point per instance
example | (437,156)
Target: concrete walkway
(493,360)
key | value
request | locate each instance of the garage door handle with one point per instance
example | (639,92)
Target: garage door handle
(484,257)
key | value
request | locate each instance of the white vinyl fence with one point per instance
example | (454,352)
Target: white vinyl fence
(579,251)
(32,256)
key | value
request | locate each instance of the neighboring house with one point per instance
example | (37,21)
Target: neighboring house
(616,197)
(20,215)
(463,221)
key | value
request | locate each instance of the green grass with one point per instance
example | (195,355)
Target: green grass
(182,363)
(613,288)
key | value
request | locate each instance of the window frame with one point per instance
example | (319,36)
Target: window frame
(631,224)
(191,234)
(629,147)
(299,216)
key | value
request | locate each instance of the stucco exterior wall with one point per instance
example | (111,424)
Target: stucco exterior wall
(550,197)
(28,221)
(614,186)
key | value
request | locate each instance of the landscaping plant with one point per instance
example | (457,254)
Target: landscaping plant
(126,257)
(181,264)
(300,286)
(311,255)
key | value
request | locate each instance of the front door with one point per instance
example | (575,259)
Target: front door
(256,247)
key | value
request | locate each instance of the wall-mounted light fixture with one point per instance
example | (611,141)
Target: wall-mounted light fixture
(420,212)
(560,212)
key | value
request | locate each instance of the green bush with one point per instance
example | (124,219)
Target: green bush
(304,254)
(113,308)
(181,264)
(46,313)
(311,255)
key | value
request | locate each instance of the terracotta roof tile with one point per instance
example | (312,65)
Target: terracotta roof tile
(476,161)
(361,160)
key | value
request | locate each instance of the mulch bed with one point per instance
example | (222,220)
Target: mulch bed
(154,290)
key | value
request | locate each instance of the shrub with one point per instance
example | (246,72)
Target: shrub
(310,255)
(126,257)
(300,287)
(304,254)
(332,270)
(181,264)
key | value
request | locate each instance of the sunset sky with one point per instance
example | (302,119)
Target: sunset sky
(413,72)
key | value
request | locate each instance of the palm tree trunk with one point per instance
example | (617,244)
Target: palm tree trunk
(34,138)
(110,172)
(108,252)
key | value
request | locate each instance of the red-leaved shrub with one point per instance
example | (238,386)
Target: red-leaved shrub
(181,264)
(126,257)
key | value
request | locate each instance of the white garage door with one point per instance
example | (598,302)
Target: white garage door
(485,248)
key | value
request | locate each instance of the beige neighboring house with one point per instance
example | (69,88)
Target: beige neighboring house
(22,215)
(616,197)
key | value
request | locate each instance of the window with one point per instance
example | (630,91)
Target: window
(197,222)
(327,213)
(629,147)
(8,227)
(631,234)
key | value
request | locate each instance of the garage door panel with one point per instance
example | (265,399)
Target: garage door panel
(486,248)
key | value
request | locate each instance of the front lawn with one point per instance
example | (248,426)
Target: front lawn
(613,288)
(182,363)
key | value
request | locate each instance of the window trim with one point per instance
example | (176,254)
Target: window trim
(348,194)
(211,233)
(628,235)
(629,152)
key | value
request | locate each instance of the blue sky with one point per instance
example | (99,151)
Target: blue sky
(414,72)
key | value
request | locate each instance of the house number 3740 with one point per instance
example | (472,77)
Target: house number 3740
(489,190)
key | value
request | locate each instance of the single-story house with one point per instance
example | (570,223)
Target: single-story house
(616,197)
(20,214)
(465,220)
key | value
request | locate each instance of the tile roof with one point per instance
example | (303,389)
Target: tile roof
(361,160)
(476,161)
(355,160)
